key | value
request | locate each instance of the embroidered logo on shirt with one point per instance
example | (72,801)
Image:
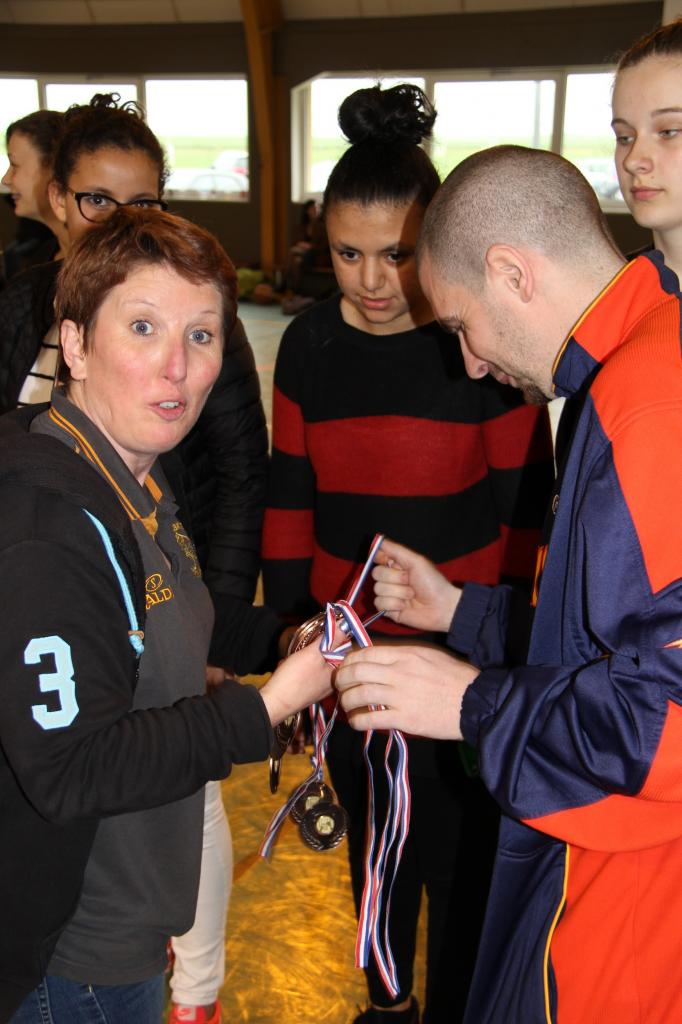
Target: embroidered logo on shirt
(187,548)
(157,593)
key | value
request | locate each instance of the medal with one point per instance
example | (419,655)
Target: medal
(323,825)
(286,730)
(284,734)
(306,633)
(310,796)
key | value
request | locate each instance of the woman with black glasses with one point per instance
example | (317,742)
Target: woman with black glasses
(106,157)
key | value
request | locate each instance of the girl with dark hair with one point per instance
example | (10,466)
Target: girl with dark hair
(110,144)
(104,144)
(31,143)
(377,428)
(105,156)
(647,121)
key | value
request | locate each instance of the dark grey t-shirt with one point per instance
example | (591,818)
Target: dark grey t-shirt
(142,877)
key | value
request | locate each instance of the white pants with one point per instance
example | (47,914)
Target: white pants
(199,969)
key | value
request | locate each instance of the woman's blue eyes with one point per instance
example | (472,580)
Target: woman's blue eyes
(198,335)
(142,327)
(203,337)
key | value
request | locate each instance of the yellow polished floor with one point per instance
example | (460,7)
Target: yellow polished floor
(291,927)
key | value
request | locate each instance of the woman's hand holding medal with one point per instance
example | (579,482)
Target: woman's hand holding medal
(302,679)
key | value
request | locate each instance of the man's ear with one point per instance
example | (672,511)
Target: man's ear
(509,269)
(57,201)
(71,338)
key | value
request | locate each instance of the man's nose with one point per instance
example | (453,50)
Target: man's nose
(474,366)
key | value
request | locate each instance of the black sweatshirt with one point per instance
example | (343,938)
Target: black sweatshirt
(57,581)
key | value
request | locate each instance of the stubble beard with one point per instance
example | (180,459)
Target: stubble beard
(533,395)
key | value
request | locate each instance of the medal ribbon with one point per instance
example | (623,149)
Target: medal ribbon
(371,937)
(321,728)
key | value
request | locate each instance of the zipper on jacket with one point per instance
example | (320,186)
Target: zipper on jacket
(555,920)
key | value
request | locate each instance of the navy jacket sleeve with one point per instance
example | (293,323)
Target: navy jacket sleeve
(492,625)
(583,743)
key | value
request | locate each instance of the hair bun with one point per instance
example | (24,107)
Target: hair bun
(103,103)
(105,99)
(402,113)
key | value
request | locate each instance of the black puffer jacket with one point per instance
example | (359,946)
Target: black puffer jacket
(223,474)
(225,460)
(26,313)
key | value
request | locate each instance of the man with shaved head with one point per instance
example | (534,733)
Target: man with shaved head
(508,225)
(580,738)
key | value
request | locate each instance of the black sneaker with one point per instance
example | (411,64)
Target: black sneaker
(373,1016)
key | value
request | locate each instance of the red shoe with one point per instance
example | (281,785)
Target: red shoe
(193,1015)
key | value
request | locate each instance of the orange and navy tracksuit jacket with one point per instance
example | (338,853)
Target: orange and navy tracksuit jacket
(582,746)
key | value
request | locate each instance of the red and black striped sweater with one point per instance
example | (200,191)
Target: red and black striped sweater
(386,433)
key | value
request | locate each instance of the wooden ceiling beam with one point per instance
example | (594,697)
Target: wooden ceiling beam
(262,18)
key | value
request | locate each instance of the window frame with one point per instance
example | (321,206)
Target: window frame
(301,108)
(139,83)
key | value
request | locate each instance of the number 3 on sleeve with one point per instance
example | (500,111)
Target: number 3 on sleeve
(60,681)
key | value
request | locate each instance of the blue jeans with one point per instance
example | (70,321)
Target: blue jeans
(58,1001)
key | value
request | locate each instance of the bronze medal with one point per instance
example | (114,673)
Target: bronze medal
(286,730)
(306,633)
(323,826)
(311,795)
(284,734)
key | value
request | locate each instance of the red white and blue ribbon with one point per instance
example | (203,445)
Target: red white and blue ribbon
(321,730)
(341,617)
(382,854)
(378,856)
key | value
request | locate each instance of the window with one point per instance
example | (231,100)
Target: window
(475,115)
(203,126)
(201,122)
(587,137)
(62,95)
(18,97)
(567,111)
(327,143)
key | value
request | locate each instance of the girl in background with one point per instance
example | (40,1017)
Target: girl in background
(647,122)
(377,428)
(31,143)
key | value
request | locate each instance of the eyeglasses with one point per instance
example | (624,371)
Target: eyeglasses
(95,207)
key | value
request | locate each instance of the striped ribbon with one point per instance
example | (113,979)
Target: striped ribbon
(386,853)
(321,731)
(379,855)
